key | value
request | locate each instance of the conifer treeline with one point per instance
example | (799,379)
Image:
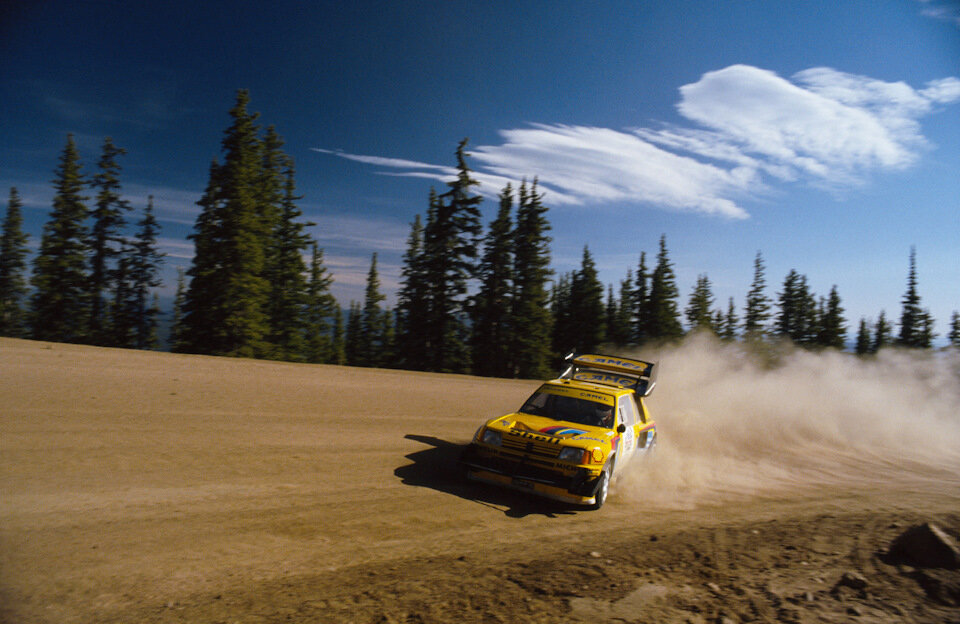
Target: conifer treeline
(92,281)
(469,302)
(250,293)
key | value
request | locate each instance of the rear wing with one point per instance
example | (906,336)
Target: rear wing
(613,370)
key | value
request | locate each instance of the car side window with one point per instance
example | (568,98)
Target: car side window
(628,411)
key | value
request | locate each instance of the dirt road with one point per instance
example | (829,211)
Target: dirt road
(152,487)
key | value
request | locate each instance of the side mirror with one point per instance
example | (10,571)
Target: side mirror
(621,428)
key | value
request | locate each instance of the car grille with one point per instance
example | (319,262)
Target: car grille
(526,445)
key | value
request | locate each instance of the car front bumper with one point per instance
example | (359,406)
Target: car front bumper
(546,478)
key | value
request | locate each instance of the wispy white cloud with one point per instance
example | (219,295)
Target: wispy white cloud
(171,205)
(346,231)
(747,127)
(947,10)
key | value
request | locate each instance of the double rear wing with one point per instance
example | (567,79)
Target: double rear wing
(613,370)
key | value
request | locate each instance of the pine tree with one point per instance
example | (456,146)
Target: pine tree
(123,312)
(319,305)
(227,301)
(105,235)
(641,302)
(882,334)
(176,326)
(60,309)
(370,343)
(797,319)
(610,316)
(698,311)
(757,311)
(954,335)
(412,302)
(564,335)
(624,323)
(531,323)
(388,349)
(586,305)
(663,318)
(926,334)
(203,311)
(913,324)
(728,329)
(833,329)
(450,249)
(289,289)
(352,340)
(863,338)
(13,284)
(144,276)
(492,305)
(339,337)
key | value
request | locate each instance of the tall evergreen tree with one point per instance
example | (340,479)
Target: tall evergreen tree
(663,318)
(319,306)
(144,276)
(105,237)
(532,323)
(610,316)
(339,337)
(370,341)
(352,343)
(13,284)
(833,330)
(916,323)
(863,338)
(491,311)
(926,334)
(450,246)
(388,335)
(728,329)
(624,323)
(586,305)
(797,318)
(757,311)
(698,311)
(203,310)
(412,301)
(912,321)
(176,326)
(60,309)
(564,335)
(883,333)
(123,309)
(644,322)
(226,310)
(289,289)
(954,335)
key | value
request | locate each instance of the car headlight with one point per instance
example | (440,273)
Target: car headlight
(571,454)
(491,437)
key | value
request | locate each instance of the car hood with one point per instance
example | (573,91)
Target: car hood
(540,426)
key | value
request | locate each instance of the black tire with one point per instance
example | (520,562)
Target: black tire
(603,488)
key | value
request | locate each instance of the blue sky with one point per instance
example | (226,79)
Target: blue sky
(824,134)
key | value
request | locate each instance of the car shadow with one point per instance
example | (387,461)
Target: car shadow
(437,467)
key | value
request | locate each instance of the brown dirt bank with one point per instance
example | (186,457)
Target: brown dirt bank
(150,487)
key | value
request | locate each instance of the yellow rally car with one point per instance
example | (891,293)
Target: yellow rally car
(574,434)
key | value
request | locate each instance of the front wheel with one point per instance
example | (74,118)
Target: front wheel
(603,488)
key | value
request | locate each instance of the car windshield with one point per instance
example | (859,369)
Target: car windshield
(569,409)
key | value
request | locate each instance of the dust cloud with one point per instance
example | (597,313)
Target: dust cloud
(738,422)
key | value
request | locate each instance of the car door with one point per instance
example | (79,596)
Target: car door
(639,424)
(626,416)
